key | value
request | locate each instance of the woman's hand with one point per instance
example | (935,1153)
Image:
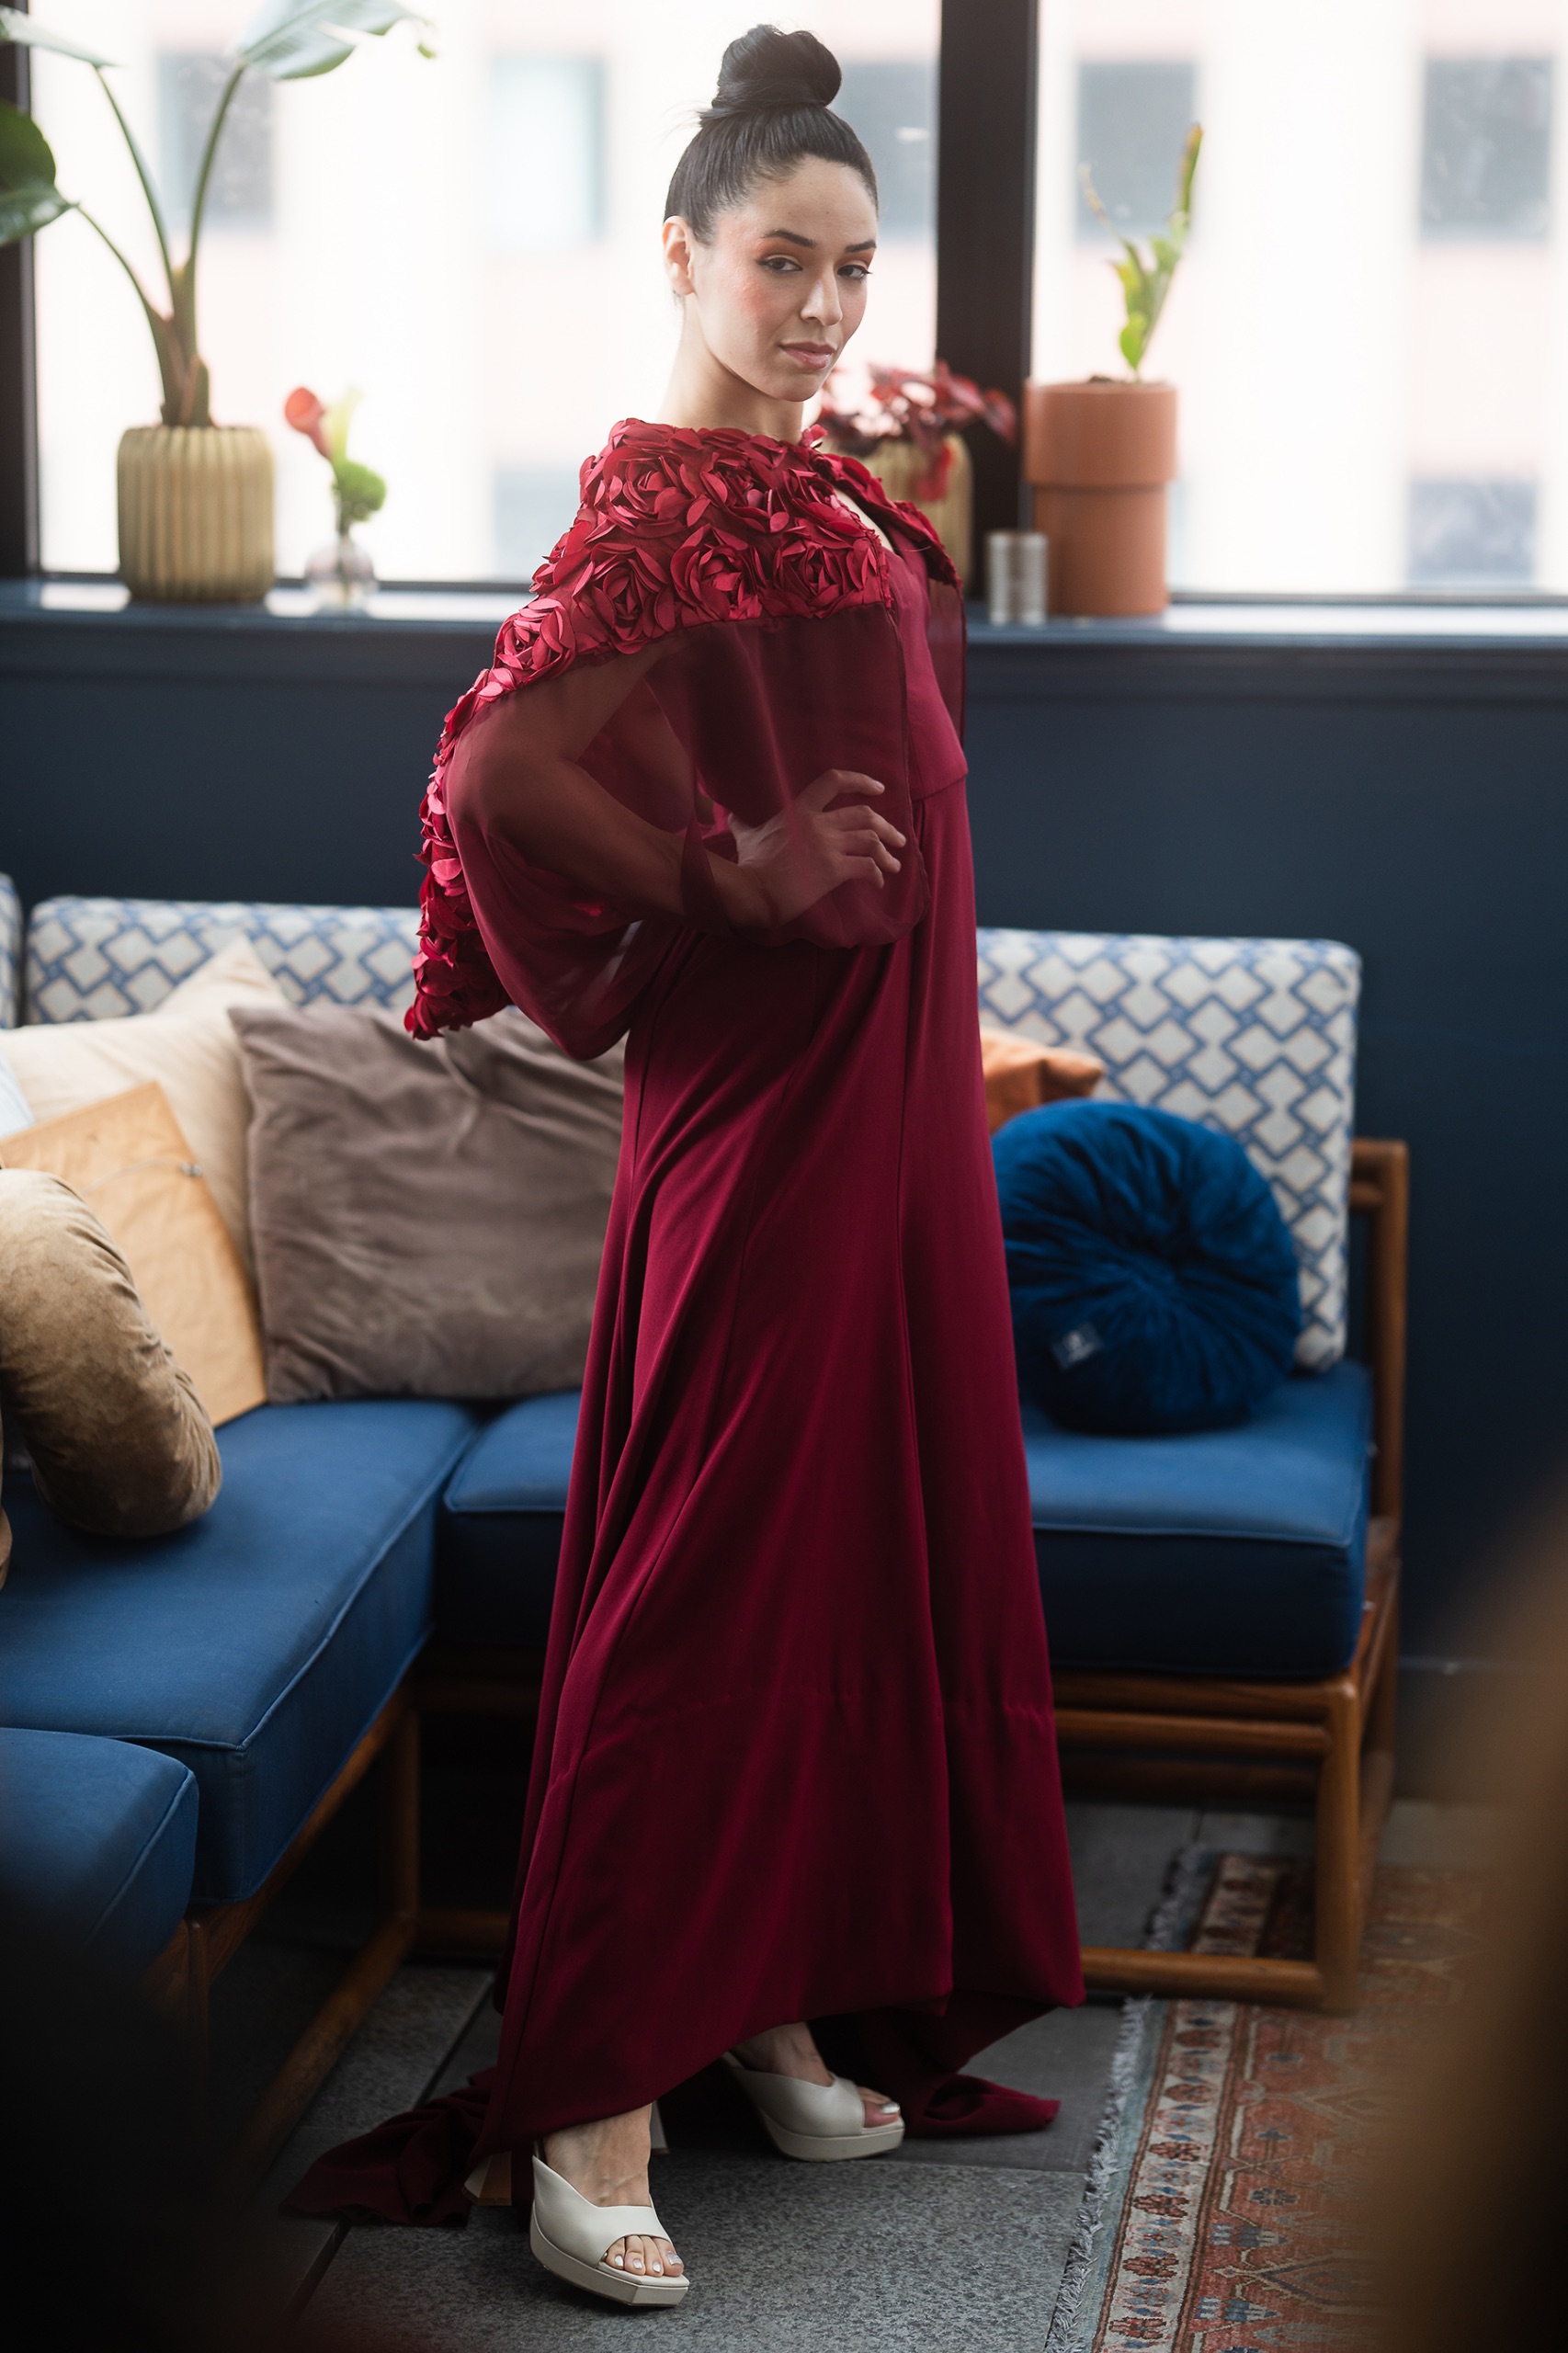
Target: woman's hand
(787,865)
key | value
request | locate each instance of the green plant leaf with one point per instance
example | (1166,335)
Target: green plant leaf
(360,491)
(1133,339)
(28,33)
(29,197)
(25,159)
(25,209)
(292,40)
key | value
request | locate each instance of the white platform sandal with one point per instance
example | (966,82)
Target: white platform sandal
(570,2235)
(823,2123)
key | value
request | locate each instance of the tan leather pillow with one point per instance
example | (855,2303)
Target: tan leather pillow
(186,1044)
(130,1165)
(118,1441)
(428,1218)
(1021,1075)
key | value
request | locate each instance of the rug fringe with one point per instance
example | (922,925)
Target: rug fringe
(1170,1923)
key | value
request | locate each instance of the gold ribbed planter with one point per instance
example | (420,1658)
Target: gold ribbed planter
(898,466)
(196,513)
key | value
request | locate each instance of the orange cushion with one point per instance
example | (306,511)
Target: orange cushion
(128,1160)
(1021,1073)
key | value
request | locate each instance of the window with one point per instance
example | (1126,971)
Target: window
(1132,118)
(239,195)
(546,153)
(1486,147)
(1369,331)
(473,241)
(533,507)
(1471,534)
(893,105)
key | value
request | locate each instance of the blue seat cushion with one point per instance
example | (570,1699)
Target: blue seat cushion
(1237,1551)
(1155,1285)
(98,1840)
(499,1538)
(257,1645)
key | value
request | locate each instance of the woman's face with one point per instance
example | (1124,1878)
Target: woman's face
(781,287)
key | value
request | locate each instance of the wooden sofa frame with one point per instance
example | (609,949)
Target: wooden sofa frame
(1169,1734)
(1331,1742)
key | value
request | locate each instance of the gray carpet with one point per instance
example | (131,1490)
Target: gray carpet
(955,2244)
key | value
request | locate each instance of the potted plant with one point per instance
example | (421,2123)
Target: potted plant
(195,497)
(906,428)
(1102,454)
(343,572)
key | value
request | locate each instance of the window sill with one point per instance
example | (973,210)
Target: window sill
(436,639)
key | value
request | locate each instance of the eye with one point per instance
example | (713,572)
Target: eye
(857,271)
(780,265)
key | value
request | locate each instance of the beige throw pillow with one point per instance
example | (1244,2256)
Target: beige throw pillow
(428,1218)
(118,1441)
(187,1045)
(129,1163)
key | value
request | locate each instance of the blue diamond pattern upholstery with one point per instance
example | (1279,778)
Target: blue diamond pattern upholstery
(1256,1038)
(91,957)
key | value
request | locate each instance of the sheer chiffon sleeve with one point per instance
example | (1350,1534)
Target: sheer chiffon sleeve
(767,612)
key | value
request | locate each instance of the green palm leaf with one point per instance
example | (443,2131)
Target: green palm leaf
(28,34)
(292,40)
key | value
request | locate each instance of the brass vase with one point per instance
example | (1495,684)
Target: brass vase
(196,514)
(899,465)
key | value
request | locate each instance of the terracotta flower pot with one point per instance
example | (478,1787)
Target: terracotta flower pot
(900,465)
(196,513)
(1100,456)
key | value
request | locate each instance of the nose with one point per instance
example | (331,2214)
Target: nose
(823,304)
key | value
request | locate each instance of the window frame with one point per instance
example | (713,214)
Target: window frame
(987,89)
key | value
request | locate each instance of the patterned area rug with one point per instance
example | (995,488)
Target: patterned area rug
(1220,2212)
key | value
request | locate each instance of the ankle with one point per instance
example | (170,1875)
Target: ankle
(784,2051)
(606,2162)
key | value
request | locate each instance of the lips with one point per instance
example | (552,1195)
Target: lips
(812,355)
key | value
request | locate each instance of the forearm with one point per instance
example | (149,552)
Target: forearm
(555,814)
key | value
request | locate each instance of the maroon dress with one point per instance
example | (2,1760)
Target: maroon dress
(795,1754)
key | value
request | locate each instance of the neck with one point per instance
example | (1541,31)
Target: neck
(703,395)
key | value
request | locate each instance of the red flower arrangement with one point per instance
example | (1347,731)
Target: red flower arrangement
(898,405)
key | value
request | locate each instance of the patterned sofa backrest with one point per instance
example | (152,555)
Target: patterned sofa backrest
(89,958)
(1254,1037)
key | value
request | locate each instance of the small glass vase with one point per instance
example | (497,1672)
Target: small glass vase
(340,574)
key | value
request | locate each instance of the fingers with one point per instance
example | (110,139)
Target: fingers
(835,781)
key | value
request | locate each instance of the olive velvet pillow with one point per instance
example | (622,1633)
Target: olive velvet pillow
(428,1217)
(119,1440)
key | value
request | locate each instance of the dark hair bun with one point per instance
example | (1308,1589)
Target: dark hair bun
(766,70)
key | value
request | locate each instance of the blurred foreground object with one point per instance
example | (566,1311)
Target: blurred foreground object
(1479,2178)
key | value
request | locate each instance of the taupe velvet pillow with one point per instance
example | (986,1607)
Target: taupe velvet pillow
(119,1443)
(428,1218)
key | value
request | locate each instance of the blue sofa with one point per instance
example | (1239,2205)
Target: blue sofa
(183,1716)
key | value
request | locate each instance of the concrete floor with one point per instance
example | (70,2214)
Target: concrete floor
(956,2245)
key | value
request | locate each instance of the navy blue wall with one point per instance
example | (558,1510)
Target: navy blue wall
(1413,800)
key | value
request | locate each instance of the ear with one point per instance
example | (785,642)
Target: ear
(679,251)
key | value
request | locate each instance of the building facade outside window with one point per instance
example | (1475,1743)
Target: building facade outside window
(1370,329)
(473,241)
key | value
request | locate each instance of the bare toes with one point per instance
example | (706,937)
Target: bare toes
(616,2255)
(880,2109)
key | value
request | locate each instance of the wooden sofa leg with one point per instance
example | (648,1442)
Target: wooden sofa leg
(400,1822)
(1339,1852)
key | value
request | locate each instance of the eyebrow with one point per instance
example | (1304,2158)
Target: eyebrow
(792,237)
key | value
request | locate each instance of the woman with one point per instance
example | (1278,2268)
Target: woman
(795,1757)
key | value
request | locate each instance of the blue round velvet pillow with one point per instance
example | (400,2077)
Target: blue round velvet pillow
(1155,1285)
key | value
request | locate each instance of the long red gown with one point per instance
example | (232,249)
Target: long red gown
(795,1755)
